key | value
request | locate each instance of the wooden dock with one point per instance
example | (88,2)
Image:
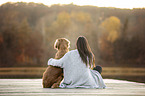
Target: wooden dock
(33,87)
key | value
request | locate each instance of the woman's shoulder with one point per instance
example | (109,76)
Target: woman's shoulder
(73,51)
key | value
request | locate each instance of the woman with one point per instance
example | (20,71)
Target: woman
(76,67)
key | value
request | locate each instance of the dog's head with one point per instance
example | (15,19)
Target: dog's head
(62,44)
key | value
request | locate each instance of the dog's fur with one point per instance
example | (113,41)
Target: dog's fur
(53,75)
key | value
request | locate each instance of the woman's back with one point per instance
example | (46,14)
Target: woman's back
(75,71)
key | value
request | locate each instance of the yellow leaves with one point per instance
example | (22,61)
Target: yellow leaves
(111,23)
(113,35)
(63,19)
(110,33)
(81,17)
(111,28)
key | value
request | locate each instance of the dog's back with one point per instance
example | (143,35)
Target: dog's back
(50,76)
(53,74)
(60,54)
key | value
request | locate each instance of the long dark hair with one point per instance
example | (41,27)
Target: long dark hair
(85,51)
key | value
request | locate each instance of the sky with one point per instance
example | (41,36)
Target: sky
(129,4)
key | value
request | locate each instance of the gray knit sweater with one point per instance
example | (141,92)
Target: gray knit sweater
(76,73)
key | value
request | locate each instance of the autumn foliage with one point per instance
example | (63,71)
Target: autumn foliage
(28,32)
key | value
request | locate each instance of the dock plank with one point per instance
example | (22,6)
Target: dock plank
(33,87)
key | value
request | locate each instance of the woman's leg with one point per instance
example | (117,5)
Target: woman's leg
(98,68)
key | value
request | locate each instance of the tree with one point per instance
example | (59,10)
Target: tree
(111,27)
(109,34)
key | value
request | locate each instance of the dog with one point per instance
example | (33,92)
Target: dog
(54,75)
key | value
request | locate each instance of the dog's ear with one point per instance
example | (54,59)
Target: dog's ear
(57,44)
(68,44)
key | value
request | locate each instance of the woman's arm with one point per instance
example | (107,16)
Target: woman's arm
(58,62)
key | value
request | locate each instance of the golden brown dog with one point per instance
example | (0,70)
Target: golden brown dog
(53,75)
